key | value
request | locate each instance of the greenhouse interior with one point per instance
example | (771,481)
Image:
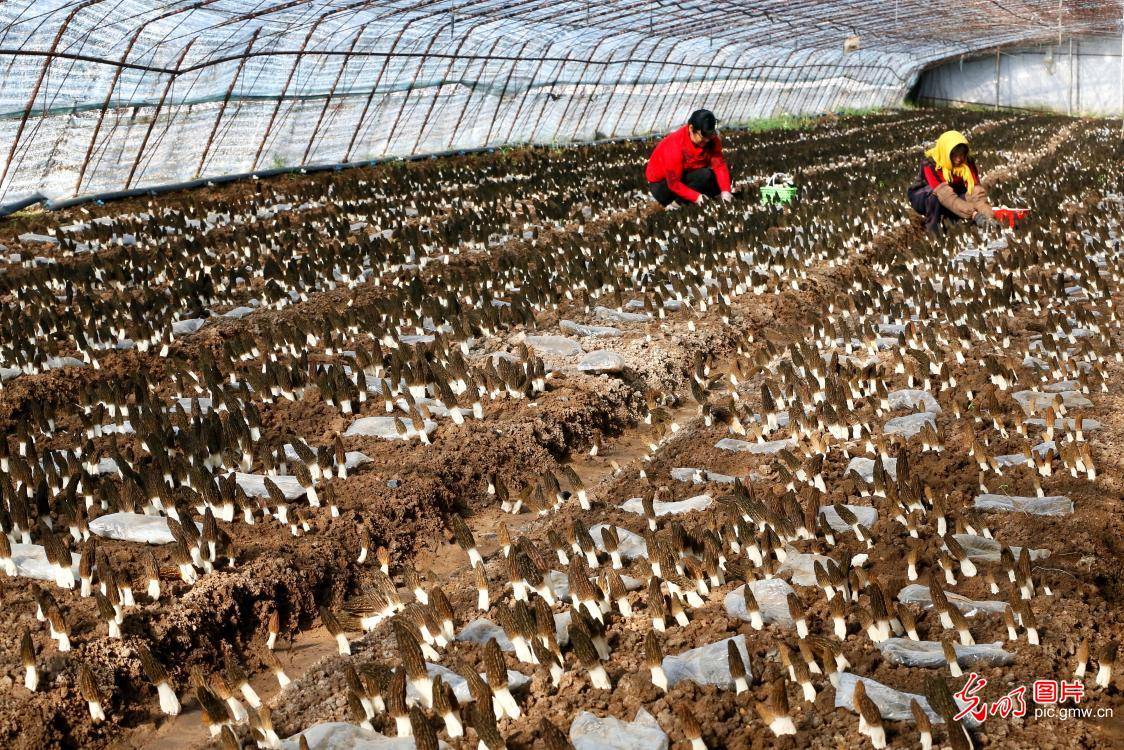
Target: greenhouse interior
(656,374)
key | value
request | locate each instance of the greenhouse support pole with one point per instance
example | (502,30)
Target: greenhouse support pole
(996,80)
(156,115)
(225,101)
(331,93)
(284,92)
(1069,99)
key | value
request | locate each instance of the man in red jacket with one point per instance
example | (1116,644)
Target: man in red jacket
(687,165)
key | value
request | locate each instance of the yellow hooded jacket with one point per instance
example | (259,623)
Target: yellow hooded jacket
(941,154)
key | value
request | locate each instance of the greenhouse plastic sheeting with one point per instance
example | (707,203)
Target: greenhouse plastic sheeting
(101,96)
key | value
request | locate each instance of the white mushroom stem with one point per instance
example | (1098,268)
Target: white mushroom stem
(453,726)
(877,735)
(600,678)
(782,725)
(169,703)
(424,686)
(505,703)
(250,695)
(659,677)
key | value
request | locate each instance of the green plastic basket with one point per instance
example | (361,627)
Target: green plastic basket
(777,189)
(777,194)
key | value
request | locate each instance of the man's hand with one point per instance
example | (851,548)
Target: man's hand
(700,200)
(727,196)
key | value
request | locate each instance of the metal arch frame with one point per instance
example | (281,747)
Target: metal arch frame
(600,81)
(674,92)
(547,100)
(331,93)
(503,93)
(452,61)
(725,87)
(413,82)
(688,81)
(222,107)
(370,97)
(285,91)
(667,89)
(155,117)
(113,84)
(526,93)
(580,82)
(471,92)
(804,22)
(636,83)
(38,84)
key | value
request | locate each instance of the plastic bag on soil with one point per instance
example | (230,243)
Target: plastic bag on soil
(614,316)
(800,567)
(254,484)
(910,424)
(864,467)
(699,476)
(1053,505)
(134,527)
(384,427)
(1018,459)
(590,732)
(578,329)
(915,593)
(188,325)
(629,544)
(982,549)
(913,398)
(560,584)
(558,346)
(930,654)
(705,665)
(867,516)
(339,735)
(698,502)
(515,680)
(772,597)
(31,562)
(602,360)
(769,446)
(238,312)
(481,630)
(187,404)
(892,704)
(1067,423)
(1032,401)
(351,458)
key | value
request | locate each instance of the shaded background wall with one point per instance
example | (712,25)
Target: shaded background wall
(1078,76)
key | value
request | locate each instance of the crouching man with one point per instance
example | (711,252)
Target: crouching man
(687,165)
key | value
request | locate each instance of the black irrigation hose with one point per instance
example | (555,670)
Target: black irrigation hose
(7,209)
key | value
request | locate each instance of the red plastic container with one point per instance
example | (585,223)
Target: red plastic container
(1010,216)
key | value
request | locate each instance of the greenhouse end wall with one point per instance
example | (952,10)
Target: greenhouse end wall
(1088,81)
